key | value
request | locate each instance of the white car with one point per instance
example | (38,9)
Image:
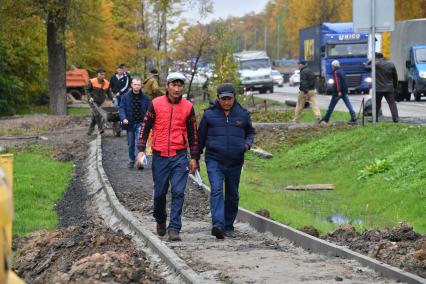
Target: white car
(277,78)
(294,79)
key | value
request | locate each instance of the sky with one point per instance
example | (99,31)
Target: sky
(226,8)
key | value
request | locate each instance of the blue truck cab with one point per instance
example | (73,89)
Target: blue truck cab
(417,71)
(323,43)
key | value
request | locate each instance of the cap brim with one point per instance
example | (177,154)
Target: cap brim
(226,95)
(176,80)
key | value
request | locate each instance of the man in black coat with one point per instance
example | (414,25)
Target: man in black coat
(227,133)
(306,93)
(386,83)
(119,83)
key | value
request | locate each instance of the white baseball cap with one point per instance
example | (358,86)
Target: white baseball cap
(335,63)
(176,76)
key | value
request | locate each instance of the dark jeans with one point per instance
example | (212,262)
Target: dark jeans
(173,171)
(390,98)
(224,211)
(132,137)
(334,100)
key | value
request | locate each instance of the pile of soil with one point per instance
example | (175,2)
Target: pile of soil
(400,246)
(88,253)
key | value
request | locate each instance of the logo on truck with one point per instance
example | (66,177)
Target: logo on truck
(349,36)
(309,49)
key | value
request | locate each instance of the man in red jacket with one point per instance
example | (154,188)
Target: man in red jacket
(174,129)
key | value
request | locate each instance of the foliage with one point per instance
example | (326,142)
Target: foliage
(379,166)
(37,189)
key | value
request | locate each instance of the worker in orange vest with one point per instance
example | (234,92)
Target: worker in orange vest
(97,93)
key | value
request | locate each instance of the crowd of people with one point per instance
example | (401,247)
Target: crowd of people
(164,125)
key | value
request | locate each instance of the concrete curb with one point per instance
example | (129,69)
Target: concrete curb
(320,246)
(156,245)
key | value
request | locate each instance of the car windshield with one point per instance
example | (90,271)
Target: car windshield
(347,50)
(421,55)
(255,64)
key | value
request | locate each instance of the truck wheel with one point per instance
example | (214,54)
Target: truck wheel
(271,89)
(262,91)
(417,96)
(75,93)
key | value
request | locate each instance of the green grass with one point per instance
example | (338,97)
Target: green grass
(79,111)
(39,182)
(379,174)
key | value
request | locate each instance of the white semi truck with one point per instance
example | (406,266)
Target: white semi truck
(255,70)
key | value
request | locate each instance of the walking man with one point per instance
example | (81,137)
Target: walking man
(386,83)
(227,133)
(97,92)
(119,83)
(133,106)
(339,91)
(150,85)
(174,129)
(306,92)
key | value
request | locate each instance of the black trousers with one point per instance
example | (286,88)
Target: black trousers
(390,98)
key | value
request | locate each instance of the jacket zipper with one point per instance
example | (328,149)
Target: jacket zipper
(227,135)
(170,129)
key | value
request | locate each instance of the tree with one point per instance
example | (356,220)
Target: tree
(195,43)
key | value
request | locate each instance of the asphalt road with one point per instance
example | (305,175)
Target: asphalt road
(405,109)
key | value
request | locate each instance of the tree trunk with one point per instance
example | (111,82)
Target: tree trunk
(56,23)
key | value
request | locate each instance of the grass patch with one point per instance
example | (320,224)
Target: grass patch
(380,177)
(39,182)
(78,111)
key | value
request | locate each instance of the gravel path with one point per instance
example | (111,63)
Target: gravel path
(251,257)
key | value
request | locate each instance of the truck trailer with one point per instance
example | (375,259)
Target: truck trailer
(321,44)
(254,68)
(408,53)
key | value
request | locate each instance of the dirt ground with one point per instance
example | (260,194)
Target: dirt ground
(83,249)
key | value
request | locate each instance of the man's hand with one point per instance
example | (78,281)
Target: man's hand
(339,94)
(140,156)
(125,121)
(91,100)
(193,165)
(246,148)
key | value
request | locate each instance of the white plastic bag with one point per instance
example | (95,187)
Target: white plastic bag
(198,179)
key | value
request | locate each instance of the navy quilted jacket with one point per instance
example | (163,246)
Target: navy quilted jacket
(225,137)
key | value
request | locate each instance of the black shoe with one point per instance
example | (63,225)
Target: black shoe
(161,229)
(174,236)
(101,131)
(352,121)
(218,232)
(131,165)
(230,234)
(90,133)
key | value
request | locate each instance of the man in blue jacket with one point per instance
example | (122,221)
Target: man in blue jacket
(227,133)
(133,106)
(340,91)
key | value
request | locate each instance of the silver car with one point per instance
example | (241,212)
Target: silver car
(277,78)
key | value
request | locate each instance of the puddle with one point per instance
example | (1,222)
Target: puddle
(340,219)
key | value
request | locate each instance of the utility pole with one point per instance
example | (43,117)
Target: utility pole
(255,38)
(278,38)
(265,37)
(373,61)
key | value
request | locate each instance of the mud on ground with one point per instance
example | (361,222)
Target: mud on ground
(85,250)
(400,246)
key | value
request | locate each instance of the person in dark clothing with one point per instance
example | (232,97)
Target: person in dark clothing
(226,132)
(174,130)
(97,93)
(339,91)
(386,83)
(119,83)
(306,93)
(133,106)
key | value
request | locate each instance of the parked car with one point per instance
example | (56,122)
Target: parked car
(277,78)
(295,78)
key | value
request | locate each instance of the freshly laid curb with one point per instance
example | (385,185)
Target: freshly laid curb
(136,227)
(320,246)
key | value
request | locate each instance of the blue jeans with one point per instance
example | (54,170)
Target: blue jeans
(173,171)
(132,137)
(223,210)
(334,100)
